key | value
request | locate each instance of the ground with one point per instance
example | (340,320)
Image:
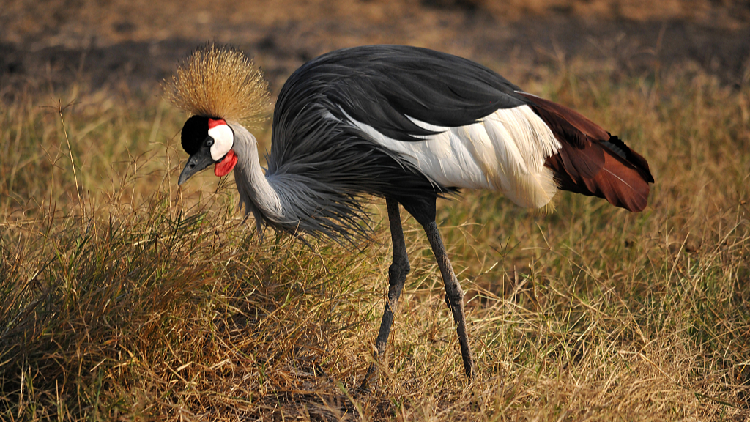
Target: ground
(133,45)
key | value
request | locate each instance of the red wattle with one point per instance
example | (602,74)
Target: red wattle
(212,123)
(226,165)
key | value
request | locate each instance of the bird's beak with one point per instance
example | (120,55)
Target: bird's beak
(197,162)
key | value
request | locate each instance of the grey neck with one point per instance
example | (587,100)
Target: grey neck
(293,202)
(256,192)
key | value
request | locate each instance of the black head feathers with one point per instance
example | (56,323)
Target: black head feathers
(194,132)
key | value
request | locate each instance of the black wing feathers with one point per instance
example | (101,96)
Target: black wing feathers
(381,85)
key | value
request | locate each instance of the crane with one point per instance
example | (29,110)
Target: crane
(397,122)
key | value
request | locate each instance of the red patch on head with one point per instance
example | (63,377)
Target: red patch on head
(212,123)
(226,164)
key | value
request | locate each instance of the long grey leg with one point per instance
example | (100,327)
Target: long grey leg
(454,296)
(396,278)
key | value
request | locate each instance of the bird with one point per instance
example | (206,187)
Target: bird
(398,122)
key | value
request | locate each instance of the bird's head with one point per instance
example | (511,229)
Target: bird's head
(208,140)
(216,81)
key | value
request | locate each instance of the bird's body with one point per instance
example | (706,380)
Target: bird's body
(409,125)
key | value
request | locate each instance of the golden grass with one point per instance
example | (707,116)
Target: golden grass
(161,304)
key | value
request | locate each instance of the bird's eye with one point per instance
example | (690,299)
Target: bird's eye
(210,142)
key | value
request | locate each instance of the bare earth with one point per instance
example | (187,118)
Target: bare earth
(132,45)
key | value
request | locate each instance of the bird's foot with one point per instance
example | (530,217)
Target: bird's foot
(370,380)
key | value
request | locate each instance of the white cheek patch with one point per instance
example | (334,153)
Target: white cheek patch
(223,141)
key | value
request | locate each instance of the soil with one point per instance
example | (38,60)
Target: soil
(132,45)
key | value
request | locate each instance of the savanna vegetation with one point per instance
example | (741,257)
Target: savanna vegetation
(124,297)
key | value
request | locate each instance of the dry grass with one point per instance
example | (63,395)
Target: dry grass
(145,302)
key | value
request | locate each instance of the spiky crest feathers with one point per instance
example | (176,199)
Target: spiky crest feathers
(220,81)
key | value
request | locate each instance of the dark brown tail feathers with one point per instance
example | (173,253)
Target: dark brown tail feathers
(591,161)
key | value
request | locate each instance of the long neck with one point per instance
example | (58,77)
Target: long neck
(293,202)
(256,193)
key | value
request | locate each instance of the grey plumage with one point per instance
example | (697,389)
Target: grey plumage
(379,86)
(382,84)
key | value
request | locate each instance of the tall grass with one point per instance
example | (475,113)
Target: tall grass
(142,301)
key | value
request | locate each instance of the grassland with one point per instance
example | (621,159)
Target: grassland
(123,297)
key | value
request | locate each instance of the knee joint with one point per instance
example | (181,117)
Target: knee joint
(396,272)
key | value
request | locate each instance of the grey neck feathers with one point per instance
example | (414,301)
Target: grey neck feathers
(256,192)
(293,202)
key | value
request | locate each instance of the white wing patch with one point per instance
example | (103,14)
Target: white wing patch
(503,151)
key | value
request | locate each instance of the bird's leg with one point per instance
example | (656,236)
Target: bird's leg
(396,277)
(454,296)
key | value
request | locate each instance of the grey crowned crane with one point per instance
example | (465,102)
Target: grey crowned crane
(402,123)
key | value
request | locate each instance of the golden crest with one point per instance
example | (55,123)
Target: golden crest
(220,81)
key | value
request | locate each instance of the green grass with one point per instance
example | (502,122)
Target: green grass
(132,299)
